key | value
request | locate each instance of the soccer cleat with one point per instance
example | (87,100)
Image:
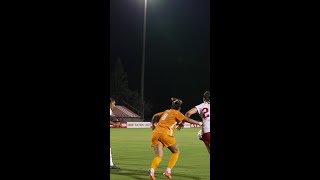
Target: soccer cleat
(151,174)
(114,167)
(168,175)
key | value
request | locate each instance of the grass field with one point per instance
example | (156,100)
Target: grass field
(131,151)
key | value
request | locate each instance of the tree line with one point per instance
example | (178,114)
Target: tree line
(121,92)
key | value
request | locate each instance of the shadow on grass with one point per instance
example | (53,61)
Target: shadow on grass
(143,174)
(136,174)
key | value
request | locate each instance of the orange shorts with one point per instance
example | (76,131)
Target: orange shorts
(165,139)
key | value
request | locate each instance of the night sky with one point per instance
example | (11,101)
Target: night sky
(177,62)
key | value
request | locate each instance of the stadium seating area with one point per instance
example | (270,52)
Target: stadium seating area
(126,115)
(122,111)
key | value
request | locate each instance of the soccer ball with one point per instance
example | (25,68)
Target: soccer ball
(199,135)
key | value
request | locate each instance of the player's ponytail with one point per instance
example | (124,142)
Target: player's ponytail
(176,103)
(111,100)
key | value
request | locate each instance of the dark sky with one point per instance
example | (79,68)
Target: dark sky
(177,62)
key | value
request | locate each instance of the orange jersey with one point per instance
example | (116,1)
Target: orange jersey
(168,120)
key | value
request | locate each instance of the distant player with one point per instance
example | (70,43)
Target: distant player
(113,120)
(116,124)
(162,135)
(203,110)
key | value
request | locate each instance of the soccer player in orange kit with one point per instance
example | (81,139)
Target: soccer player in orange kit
(162,135)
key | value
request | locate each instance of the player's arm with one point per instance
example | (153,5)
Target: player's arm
(155,118)
(191,112)
(192,121)
(113,123)
(183,118)
(188,114)
(116,124)
(180,125)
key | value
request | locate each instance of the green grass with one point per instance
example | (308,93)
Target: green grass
(131,151)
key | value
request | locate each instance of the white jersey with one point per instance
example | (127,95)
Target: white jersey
(111,113)
(204,112)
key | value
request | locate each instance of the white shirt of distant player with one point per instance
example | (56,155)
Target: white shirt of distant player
(204,112)
(111,113)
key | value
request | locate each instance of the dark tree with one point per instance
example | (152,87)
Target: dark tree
(120,91)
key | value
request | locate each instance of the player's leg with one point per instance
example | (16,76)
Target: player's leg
(112,165)
(208,147)
(158,150)
(174,148)
(111,162)
(206,140)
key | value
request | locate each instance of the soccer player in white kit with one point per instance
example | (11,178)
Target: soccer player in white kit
(203,110)
(112,105)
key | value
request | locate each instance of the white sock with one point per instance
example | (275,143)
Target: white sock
(169,170)
(151,170)
(111,163)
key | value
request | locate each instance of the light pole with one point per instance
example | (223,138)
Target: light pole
(143,57)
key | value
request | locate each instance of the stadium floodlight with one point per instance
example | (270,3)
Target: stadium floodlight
(143,57)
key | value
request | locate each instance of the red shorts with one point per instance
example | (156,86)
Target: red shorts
(206,138)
